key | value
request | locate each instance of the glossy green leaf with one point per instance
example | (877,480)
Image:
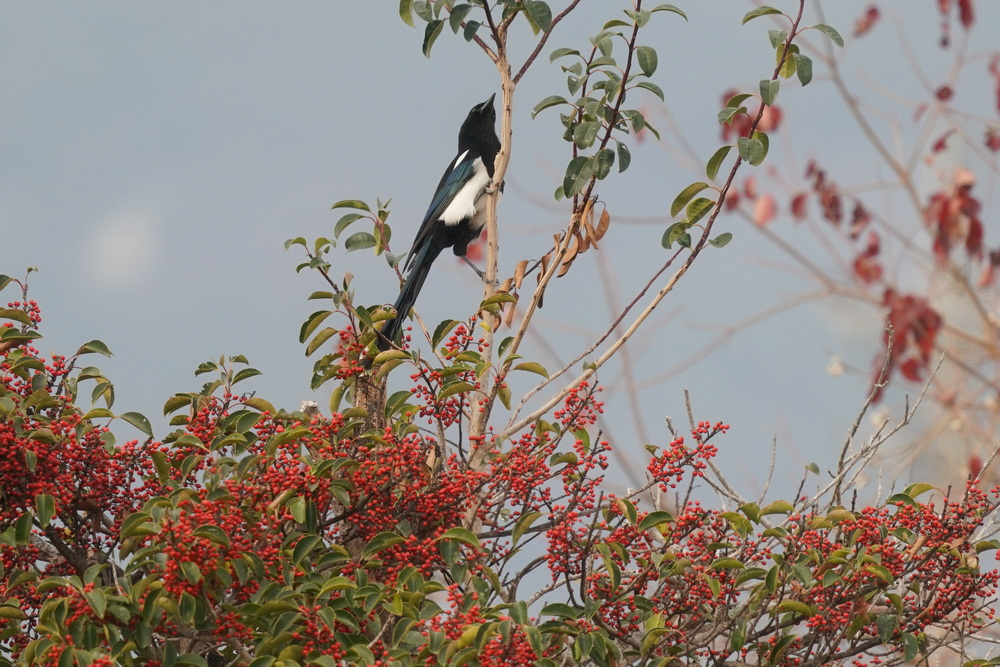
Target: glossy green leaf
(722,240)
(431,34)
(769,90)
(94,346)
(139,421)
(532,367)
(550,101)
(758,12)
(830,32)
(406,13)
(352,203)
(803,68)
(646,56)
(715,162)
(359,241)
(45,508)
(463,535)
(539,13)
(685,196)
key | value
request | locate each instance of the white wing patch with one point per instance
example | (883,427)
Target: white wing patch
(463,205)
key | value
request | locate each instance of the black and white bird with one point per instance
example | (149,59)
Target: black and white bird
(457,213)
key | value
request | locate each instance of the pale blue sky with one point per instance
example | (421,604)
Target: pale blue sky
(154,157)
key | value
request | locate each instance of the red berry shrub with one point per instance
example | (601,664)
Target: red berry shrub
(252,532)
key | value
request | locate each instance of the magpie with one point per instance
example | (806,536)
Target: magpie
(456,215)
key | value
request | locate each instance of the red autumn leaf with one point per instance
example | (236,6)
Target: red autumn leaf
(829,199)
(867,21)
(732,199)
(975,466)
(911,370)
(994,69)
(993,139)
(763,210)
(965,13)
(770,119)
(866,266)
(944,93)
(798,206)
(942,141)
(915,325)
(860,219)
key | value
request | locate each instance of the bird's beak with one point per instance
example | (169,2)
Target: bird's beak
(489,102)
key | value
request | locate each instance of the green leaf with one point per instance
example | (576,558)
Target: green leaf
(559,53)
(463,535)
(139,421)
(539,14)
(777,507)
(94,346)
(406,13)
(803,68)
(259,404)
(669,8)
(550,101)
(359,241)
(431,34)
(442,330)
(685,196)
(751,150)
(45,508)
(604,160)
(578,174)
(726,564)
(345,222)
(760,11)
(918,489)
(797,607)
(15,314)
(561,610)
(352,203)
(901,498)
(532,367)
(697,209)
(653,88)
(379,543)
(674,232)
(522,525)
(585,133)
(22,529)
(769,90)
(911,647)
(881,572)
(831,33)
(722,240)
(455,388)
(777,37)
(646,56)
(319,339)
(654,519)
(736,101)
(458,14)
(624,157)
(470,30)
(715,162)
(886,625)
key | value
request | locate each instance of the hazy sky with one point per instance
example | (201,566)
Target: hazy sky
(154,157)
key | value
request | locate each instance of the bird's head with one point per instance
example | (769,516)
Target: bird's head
(479,129)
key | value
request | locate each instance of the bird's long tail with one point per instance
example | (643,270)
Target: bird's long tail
(392,329)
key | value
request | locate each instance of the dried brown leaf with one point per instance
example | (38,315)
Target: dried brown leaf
(519,272)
